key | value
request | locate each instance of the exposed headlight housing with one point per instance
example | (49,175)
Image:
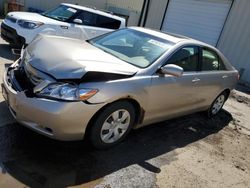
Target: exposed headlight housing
(67,92)
(29,24)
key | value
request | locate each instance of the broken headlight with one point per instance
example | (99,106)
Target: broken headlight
(66,91)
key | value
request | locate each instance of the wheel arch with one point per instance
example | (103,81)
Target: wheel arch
(227,91)
(138,110)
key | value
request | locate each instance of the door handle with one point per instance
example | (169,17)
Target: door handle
(196,80)
(64,27)
(224,76)
(93,32)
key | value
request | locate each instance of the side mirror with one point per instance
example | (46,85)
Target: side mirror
(78,21)
(172,69)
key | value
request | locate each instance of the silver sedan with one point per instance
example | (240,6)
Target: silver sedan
(100,89)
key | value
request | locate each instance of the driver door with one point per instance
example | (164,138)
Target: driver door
(172,96)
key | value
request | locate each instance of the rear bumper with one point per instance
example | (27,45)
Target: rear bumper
(10,35)
(55,119)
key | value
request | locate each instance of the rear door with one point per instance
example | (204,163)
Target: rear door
(173,96)
(212,76)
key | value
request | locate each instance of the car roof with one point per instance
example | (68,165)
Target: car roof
(175,38)
(93,10)
(170,37)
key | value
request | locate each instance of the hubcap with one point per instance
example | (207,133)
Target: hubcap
(115,126)
(218,104)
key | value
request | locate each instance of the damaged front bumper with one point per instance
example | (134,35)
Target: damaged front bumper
(56,119)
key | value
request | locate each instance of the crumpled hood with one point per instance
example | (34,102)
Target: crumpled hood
(66,58)
(33,17)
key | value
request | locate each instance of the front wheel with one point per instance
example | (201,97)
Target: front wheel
(112,125)
(217,104)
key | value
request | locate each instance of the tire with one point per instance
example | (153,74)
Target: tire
(217,104)
(112,125)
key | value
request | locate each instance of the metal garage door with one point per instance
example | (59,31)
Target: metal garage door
(199,19)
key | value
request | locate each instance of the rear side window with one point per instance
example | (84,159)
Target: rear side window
(187,58)
(211,61)
(109,23)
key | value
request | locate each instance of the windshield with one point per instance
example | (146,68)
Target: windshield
(61,13)
(134,47)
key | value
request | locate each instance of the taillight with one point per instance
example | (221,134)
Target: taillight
(238,76)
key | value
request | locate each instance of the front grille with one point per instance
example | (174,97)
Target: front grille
(19,81)
(8,33)
(24,82)
(11,19)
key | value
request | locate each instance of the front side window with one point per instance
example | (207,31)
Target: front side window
(87,18)
(61,13)
(211,61)
(187,58)
(134,47)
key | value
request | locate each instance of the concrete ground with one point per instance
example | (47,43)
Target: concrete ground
(191,151)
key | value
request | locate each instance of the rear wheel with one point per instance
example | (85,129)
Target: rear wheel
(217,104)
(112,125)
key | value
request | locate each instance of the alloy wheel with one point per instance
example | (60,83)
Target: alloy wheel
(218,104)
(115,126)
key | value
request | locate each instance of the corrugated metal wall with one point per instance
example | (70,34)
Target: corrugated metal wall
(192,18)
(128,8)
(156,13)
(48,4)
(235,39)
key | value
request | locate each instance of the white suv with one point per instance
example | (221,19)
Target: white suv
(68,20)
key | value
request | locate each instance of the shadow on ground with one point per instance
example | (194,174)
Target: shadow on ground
(40,162)
(5,115)
(243,88)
